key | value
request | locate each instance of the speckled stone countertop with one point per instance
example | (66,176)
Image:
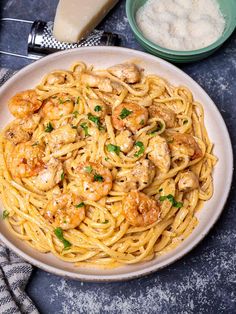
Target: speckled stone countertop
(204,281)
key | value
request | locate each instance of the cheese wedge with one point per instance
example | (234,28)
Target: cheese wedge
(75,19)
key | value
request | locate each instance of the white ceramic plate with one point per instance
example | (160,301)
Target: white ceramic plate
(103,57)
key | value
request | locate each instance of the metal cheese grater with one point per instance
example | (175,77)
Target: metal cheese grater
(41,41)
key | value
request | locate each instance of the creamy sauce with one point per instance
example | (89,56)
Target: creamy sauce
(181,24)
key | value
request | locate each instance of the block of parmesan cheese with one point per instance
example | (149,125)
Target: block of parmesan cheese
(75,19)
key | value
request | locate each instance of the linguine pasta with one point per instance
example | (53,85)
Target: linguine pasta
(104,167)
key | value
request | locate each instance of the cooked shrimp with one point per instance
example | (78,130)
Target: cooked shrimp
(127,72)
(185,144)
(24,104)
(92,80)
(26,160)
(97,107)
(55,79)
(96,180)
(158,153)
(62,211)
(57,106)
(129,115)
(188,181)
(164,113)
(61,136)
(20,130)
(140,210)
(49,176)
(125,141)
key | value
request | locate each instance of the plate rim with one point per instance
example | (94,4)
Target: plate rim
(153,268)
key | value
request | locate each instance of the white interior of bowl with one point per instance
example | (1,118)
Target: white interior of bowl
(102,57)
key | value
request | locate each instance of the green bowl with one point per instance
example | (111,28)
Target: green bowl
(228,9)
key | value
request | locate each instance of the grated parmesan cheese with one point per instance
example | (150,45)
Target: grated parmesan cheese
(181,24)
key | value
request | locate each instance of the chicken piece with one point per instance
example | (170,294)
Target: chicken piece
(159,154)
(61,136)
(127,72)
(55,79)
(184,144)
(21,130)
(49,176)
(161,111)
(102,83)
(143,174)
(138,178)
(125,141)
(188,181)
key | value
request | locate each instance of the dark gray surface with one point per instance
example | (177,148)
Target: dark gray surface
(204,281)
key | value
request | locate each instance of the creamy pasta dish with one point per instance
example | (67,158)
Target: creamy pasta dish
(104,167)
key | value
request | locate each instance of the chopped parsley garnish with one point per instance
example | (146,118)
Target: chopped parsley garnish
(95,120)
(141,149)
(5,214)
(76,113)
(113,148)
(61,101)
(88,169)
(158,128)
(171,198)
(105,222)
(59,234)
(106,158)
(97,108)
(63,176)
(185,121)
(80,205)
(49,128)
(141,122)
(125,113)
(74,127)
(85,128)
(160,190)
(97,177)
(78,100)
(35,144)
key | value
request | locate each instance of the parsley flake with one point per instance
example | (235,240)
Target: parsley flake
(185,121)
(88,169)
(85,128)
(80,205)
(97,108)
(76,113)
(5,214)
(171,198)
(49,128)
(141,122)
(141,149)
(113,148)
(105,222)
(59,234)
(62,176)
(125,113)
(97,177)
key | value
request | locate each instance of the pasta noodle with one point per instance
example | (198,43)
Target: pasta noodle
(104,167)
